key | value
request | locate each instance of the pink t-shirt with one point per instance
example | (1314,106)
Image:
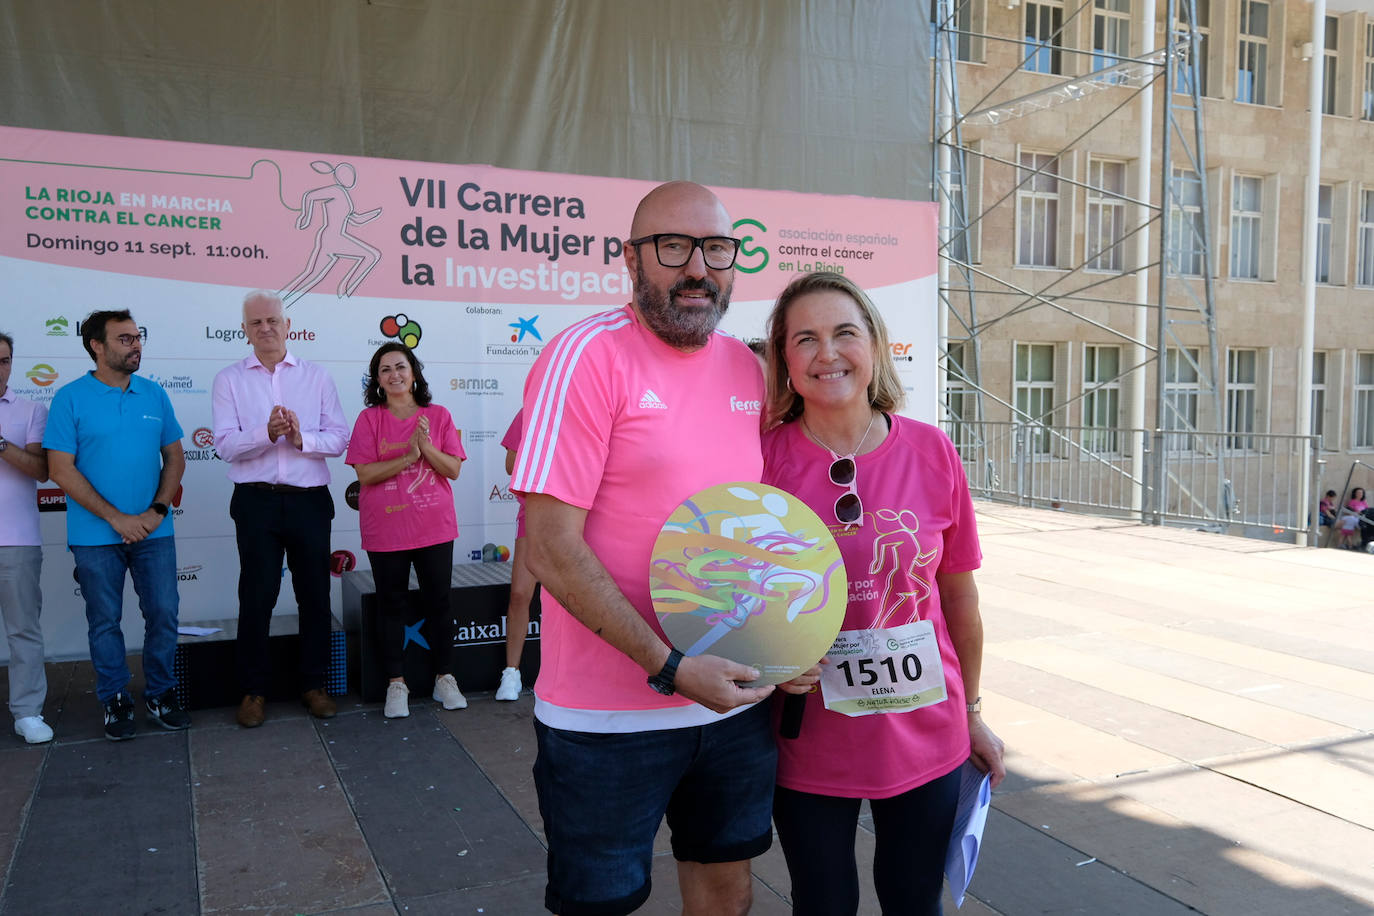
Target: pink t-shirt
(627,427)
(415,507)
(21,421)
(511,440)
(918,520)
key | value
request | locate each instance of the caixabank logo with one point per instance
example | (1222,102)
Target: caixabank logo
(525,339)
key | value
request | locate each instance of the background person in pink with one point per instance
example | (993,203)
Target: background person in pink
(522,581)
(895,493)
(405,451)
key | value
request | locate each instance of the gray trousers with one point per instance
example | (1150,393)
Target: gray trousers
(21,603)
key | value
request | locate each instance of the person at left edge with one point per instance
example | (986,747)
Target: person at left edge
(23,465)
(277,418)
(114,446)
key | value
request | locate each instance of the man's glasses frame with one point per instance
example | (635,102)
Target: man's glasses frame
(128,340)
(849,508)
(676,258)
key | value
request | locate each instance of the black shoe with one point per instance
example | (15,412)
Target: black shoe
(167,712)
(119,717)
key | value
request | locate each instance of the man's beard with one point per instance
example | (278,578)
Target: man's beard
(680,327)
(127,363)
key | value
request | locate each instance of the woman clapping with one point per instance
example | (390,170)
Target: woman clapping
(405,451)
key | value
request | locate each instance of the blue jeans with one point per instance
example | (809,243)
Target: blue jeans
(100,571)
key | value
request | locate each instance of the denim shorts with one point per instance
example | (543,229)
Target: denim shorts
(602,797)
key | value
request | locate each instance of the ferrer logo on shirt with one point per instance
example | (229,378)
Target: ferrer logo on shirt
(738,405)
(651,401)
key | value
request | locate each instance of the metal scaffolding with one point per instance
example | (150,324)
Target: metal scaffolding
(1184,282)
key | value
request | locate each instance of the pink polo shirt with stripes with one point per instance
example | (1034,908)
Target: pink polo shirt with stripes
(623,425)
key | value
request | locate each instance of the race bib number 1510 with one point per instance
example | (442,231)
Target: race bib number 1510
(877,671)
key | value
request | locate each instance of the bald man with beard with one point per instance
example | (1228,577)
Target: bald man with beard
(628,413)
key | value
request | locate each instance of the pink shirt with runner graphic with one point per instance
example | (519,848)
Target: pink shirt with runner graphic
(623,425)
(415,507)
(918,520)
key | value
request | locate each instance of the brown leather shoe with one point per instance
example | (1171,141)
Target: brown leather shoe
(252,711)
(320,704)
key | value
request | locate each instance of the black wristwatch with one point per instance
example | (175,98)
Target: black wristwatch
(159,508)
(663,681)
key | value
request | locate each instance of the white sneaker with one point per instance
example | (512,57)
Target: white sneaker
(446,691)
(510,684)
(33,729)
(397,700)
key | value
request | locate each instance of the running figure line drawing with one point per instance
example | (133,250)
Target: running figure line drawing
(332,239)
(887,551)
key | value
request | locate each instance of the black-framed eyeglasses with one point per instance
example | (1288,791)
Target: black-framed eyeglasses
(849,509)
(674,250)
(128,340)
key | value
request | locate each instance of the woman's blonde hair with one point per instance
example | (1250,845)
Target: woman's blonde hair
(884,391)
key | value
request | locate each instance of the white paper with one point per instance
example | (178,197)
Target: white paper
(198,631)
(961,858)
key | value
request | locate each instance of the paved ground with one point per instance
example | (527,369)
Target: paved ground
(1189,718)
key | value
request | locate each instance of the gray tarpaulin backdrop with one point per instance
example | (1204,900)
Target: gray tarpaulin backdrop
(828,96)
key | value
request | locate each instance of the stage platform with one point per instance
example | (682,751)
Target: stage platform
(1188,719)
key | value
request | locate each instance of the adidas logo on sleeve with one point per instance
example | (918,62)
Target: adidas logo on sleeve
(651,401)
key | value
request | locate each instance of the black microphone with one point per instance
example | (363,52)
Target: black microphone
(793,707)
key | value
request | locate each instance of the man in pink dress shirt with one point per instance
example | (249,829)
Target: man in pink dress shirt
(277,418)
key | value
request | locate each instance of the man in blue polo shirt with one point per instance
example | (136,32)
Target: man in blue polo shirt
(114,446)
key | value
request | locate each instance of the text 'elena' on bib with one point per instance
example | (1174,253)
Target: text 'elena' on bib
(889,670)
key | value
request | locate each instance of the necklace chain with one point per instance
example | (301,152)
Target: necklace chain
(862,439)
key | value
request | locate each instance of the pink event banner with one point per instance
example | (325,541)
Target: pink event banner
(344,225)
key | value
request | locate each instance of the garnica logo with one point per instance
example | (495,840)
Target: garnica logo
(752,258)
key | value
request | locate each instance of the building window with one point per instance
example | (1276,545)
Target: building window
(1106,214)
(1364,269)
(1252,65)
(1195,68)
(965,25)
(1324,233)
(1044,37)
(959,395)
(1034,394)
(1247,193)
(1101,398)
(1318,392)
(1111,32)
(1242,389)
(1329,65)
(1364,401)
(1367,109)
(1181,392)
(1037,211)
(1185,223)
